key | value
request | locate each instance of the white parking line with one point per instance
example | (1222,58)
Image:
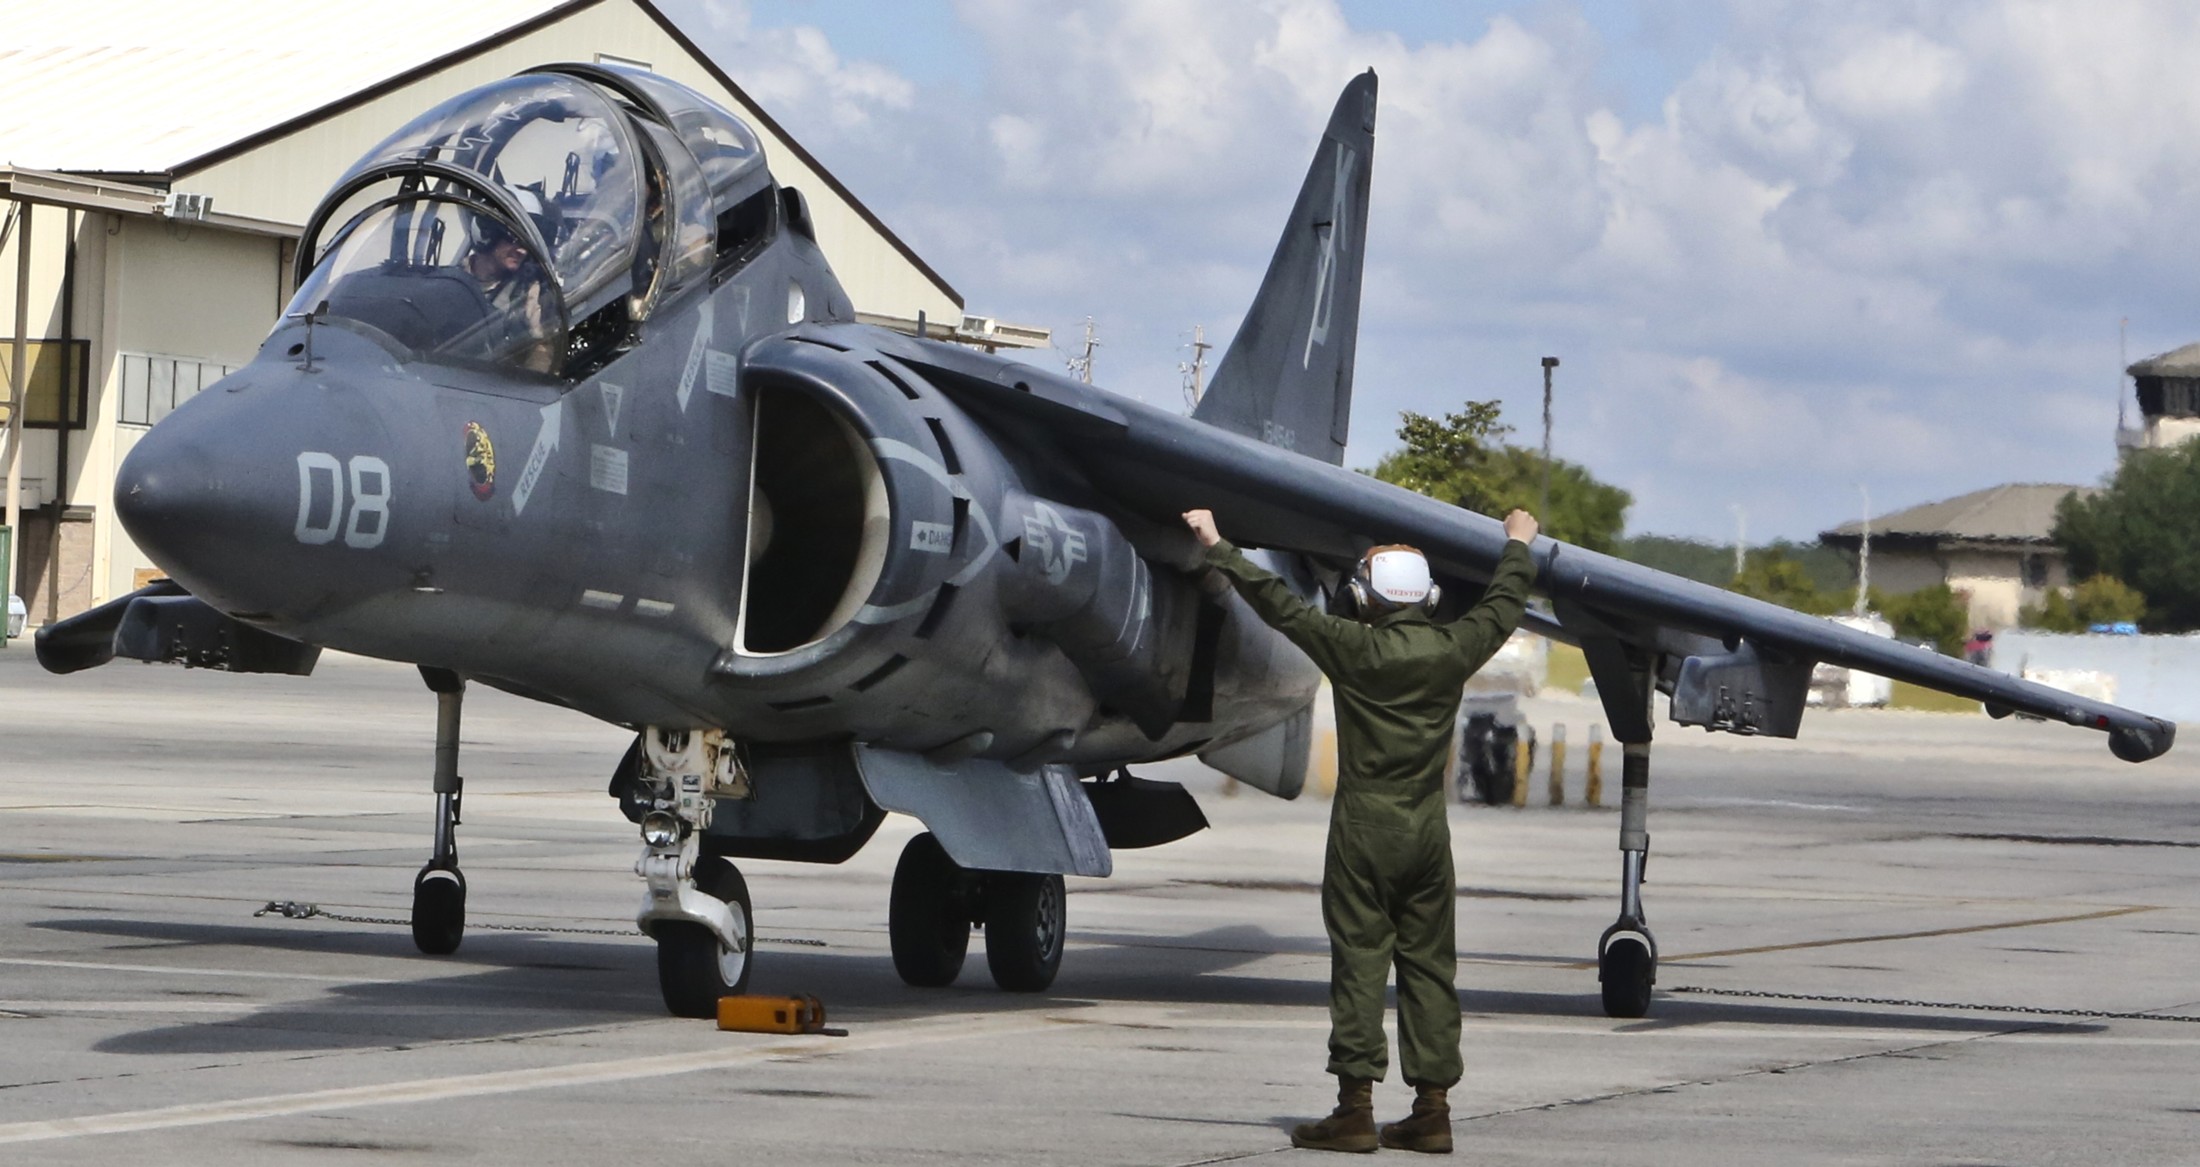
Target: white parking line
(178,971)
(880,1037)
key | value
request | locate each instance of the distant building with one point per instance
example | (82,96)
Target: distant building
(158,161)
(1992,547)
(2168,387)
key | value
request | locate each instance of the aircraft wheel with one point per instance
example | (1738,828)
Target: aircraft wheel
(1626,970)
(439,910)
(1025,919)
(695,968)
(928,917)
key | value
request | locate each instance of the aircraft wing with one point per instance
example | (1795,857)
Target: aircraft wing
(1729,661)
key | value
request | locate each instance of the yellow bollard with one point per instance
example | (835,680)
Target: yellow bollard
(1594,795)
(1521,759)
(1558,765)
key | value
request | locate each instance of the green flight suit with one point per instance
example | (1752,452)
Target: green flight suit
(1388,893)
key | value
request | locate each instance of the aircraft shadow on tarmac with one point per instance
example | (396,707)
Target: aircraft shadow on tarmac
(507,983)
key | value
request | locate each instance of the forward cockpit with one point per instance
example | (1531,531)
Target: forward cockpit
(533,223)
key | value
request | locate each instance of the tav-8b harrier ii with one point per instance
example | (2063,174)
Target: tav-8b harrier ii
(569,403)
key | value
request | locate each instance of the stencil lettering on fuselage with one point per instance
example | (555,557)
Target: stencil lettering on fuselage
(607,469)
(937,538)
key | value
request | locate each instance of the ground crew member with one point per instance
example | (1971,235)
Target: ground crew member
(1388,892)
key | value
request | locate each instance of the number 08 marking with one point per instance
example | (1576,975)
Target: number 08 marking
(321,512)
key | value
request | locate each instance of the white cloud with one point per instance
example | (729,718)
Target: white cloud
(1881,241)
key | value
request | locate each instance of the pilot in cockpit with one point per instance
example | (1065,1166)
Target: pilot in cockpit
(512,281)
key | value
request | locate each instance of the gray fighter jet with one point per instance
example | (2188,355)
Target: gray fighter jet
(569,403)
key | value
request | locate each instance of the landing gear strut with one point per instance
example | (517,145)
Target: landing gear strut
(1626,677)
(439,891)
(936,901)
(1627,955)
(697,905)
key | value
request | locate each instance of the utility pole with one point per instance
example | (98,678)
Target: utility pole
(1081,365)
(1543,507)
(2123,361)
(1864,553)
(1195,369)
(1741,535)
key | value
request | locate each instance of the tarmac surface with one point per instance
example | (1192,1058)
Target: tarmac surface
(148,1016)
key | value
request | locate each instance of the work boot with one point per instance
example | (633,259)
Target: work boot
(1427,1129)
(1350,1127)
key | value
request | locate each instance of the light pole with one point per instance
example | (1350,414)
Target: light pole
(1543,505)
(1864,553)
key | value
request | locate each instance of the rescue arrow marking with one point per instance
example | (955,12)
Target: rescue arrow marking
(546,440)
(696,350)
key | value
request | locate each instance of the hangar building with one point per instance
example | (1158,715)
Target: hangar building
(159,162)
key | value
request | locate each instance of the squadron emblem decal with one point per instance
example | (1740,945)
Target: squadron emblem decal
(481,461)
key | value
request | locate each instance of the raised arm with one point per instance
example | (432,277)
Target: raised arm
(1330,641)
(1485,627)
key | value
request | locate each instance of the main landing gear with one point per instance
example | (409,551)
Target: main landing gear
(439,891)
(936,902)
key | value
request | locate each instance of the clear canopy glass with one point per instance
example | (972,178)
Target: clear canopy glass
(564,154)
(442,278)
(722,144)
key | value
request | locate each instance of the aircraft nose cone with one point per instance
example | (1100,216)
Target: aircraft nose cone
(207,500)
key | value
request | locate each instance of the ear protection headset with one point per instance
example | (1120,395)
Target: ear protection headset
(1386,579)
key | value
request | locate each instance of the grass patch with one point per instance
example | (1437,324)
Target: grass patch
(1568,668)
(1909,696)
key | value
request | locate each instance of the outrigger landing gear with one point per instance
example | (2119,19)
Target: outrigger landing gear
(1627,955)
(439,891)
(1626,677)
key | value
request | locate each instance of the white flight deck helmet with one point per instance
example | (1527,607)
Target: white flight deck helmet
(1392,577)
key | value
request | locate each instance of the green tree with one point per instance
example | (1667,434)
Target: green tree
(1583,511)
(1774,576)
(1934,615)
(2103,599)
(2143,529)
(1461,459)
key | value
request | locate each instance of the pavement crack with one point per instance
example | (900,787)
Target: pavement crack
(1921,1049)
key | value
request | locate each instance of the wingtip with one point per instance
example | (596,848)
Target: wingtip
(2142,743)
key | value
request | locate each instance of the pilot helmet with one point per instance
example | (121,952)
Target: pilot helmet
(1391,577)
(488,230)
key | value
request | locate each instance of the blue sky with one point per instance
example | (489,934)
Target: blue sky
(1783,247)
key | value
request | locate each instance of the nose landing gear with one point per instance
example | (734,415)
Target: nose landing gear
(439,891)
(697,905)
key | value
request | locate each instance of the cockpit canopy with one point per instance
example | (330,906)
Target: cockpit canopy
(532,222)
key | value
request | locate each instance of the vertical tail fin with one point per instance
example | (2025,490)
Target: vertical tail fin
(1287,377)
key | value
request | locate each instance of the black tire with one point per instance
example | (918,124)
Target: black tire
(1627,971)
(928,917)
(1025,919)
(694,968)
(1493,768)
(438,911)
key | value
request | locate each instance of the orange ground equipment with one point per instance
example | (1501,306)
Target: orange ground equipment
(754,1014)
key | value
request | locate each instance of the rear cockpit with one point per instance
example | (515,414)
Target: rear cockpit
(533,223)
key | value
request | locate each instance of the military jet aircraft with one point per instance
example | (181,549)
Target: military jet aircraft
(569,403)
